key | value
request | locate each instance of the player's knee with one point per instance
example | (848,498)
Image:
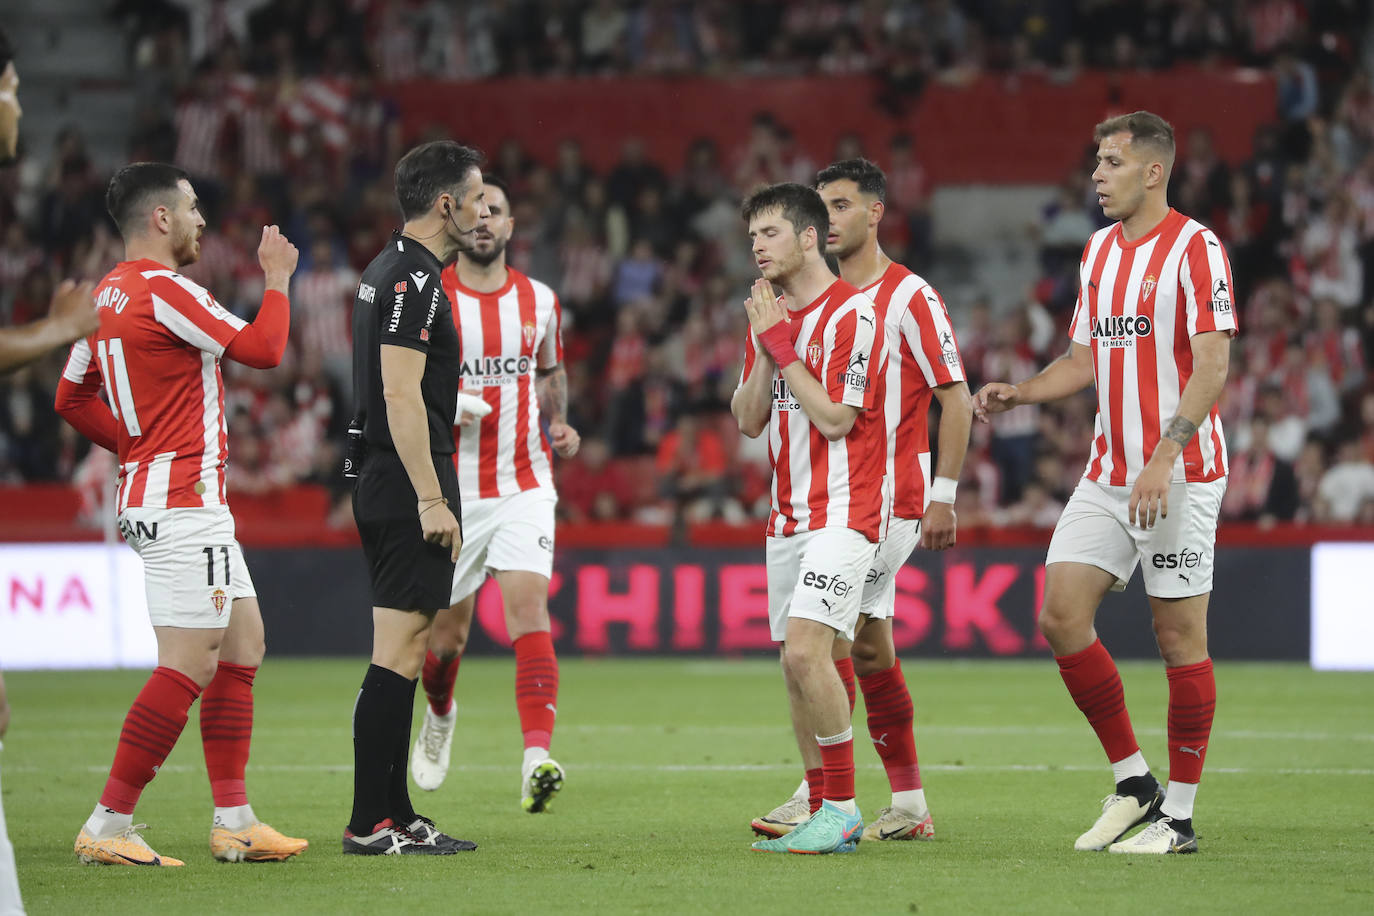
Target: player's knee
(1061,626)
(871,658)
(1180,645)
(448,643)
(202,671)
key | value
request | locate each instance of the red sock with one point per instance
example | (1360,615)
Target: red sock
(150,730)
(1095,686)
(846,668)
(815,787)
(837,760)
(1192,701)
(891,721)
(438,679)
(536,687)
(226,731)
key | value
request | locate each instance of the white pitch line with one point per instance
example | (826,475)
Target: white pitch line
(726,768)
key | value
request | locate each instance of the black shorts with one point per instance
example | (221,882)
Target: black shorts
(407,572)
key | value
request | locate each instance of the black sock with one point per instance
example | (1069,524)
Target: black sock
(400,808)
(1143,788)
(382,700)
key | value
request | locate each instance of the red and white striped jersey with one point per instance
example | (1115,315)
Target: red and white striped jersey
(1139,305)
(818,483)
(504,336)
(157,353)
(922,354)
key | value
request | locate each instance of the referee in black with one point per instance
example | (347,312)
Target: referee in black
(405,379)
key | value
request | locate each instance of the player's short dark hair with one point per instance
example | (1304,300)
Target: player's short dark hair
(499,182)
(863,173)
(801,206)
(431,169)
(1145,128)
(138,186)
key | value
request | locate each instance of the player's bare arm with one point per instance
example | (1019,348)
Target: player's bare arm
(1211,361)
(832,419)
(1069,374)
(402,369)
(262,344)
(939,525)
(71,316)
(551,388)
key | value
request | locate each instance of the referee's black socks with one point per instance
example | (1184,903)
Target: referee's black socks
(384,707)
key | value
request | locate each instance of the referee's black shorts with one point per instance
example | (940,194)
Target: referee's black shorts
(407,572)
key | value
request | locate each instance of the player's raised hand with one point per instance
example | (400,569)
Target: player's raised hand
(278,258)
(564,439)
(994,397)
(73,309)
(763,307)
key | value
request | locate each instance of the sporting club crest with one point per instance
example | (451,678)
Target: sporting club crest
(1147,287)
(219,599)
(813,354)
(528,331)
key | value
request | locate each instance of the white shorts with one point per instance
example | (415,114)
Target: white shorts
(1176,554)
(817,575)
(505,533)
(193,569)
(880,585)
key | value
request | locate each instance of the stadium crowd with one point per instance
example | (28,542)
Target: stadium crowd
(279,110)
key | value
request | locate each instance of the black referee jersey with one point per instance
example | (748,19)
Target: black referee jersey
(401,301)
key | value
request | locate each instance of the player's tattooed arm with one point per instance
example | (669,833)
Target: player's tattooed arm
(551,387)
(1180,430)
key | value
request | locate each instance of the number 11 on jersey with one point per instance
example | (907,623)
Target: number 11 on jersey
(116,372)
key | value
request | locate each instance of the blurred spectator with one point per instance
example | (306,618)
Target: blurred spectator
(1262,487)
(691,469)
(1347,486)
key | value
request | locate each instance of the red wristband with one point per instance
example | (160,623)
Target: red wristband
(777,340)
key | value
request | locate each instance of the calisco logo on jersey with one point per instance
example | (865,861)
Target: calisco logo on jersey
(494,370)
(814,350)
(527,331)
(1121,330)
(1147,287)
(782,396)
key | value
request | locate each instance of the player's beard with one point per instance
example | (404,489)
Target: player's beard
(782,269)
(485,258)
(186,247)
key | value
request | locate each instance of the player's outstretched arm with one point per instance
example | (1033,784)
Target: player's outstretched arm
(939,525)
(1067,375)
(1211,362)
(71,316)
(551,389)
(263,343)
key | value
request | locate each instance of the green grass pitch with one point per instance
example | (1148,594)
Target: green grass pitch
(667,761)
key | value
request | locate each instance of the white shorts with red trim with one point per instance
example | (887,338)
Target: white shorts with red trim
(1176,555)
(817,575)
(505,533)
(193,568)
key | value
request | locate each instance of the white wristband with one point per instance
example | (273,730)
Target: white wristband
(942,490)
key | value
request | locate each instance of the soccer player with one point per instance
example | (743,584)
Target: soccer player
(509,329)
(923,360)
(1152,332)
(156,353)
(813,373)
(405,384)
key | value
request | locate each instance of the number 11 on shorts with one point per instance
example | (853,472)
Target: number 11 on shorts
(210,564)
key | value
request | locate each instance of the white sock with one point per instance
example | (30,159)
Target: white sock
(1127,767)
(912,801)
(848,806)
(534,755)
(803,790)
(104,822)
(235,818)
(1178,800)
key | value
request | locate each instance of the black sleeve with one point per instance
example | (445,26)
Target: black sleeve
(408,316)
(1283,498)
